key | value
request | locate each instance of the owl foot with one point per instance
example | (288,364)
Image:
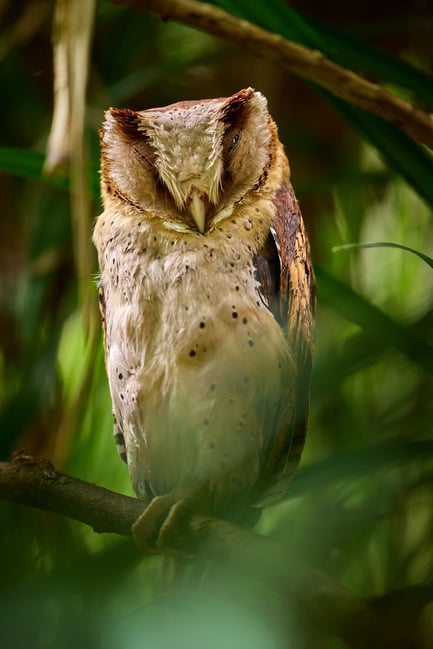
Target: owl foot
(163,525)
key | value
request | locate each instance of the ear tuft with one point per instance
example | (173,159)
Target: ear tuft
(122,120)
(233,107)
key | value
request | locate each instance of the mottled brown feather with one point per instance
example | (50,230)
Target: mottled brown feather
(286,276)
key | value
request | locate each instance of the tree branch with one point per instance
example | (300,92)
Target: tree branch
(328,605)
(306,63)
(36,483)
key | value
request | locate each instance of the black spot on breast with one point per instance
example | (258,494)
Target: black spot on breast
(120,440)
(202,325)
(244,320)
(192,353)
(234,314)
(251,343)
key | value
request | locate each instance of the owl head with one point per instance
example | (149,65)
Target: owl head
(189,162)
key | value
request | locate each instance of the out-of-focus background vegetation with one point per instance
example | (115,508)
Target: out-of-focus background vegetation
(361,506)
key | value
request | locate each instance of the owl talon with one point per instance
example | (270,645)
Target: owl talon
(172,526)
(159,527)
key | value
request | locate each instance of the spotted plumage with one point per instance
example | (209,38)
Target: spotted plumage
(207,295)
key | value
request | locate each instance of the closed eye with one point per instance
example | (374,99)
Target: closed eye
(232,137)
(236,139)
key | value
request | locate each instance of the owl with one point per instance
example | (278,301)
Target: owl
(207,301)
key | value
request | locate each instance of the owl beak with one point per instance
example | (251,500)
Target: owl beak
(197,208)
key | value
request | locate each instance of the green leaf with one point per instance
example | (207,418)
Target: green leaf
(384,244)
(26,163)
(349,51)
(381,326)
(408,158)
(351,465)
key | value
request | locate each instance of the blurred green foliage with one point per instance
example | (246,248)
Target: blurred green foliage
(360,507)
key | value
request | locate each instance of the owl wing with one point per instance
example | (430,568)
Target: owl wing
(286,276)
(118,432)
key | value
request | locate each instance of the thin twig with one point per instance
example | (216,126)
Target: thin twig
(307,63)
